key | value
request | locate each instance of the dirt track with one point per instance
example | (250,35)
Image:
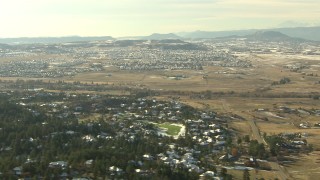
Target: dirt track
(280,171)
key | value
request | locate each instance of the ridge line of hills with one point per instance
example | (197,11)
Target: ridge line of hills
(307,33)
(295,34)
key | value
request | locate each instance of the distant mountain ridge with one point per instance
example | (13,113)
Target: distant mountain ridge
(308,33)
(270,36)
(166,44)
(158,36)
(267,36)
(50,40)
(215,34)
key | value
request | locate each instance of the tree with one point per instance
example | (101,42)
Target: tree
(130,169)
(256,149)
(223,173)
(246,174)
(239,141)
(229,141)
(234,152)
(246,138)
(273,142)
(284,80)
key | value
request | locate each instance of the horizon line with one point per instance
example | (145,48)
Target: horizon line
(176,33)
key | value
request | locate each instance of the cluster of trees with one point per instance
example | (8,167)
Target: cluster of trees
(258,93)
(33,141)
(274,143)
(29,142)
(257,149)
(138,92)
(284,80)
(61,85)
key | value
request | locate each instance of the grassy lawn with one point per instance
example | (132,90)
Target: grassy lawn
(171,130)
(91,117)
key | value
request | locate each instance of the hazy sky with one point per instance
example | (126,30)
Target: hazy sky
(142,17)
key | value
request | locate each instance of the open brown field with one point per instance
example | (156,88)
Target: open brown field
(238,174)
(266,69)
(306,166)
(302,168)
(252,89)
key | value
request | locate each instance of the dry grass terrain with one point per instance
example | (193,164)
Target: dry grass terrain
(255,80)
(266,69)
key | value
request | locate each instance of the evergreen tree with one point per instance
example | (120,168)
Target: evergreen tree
(246,174)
